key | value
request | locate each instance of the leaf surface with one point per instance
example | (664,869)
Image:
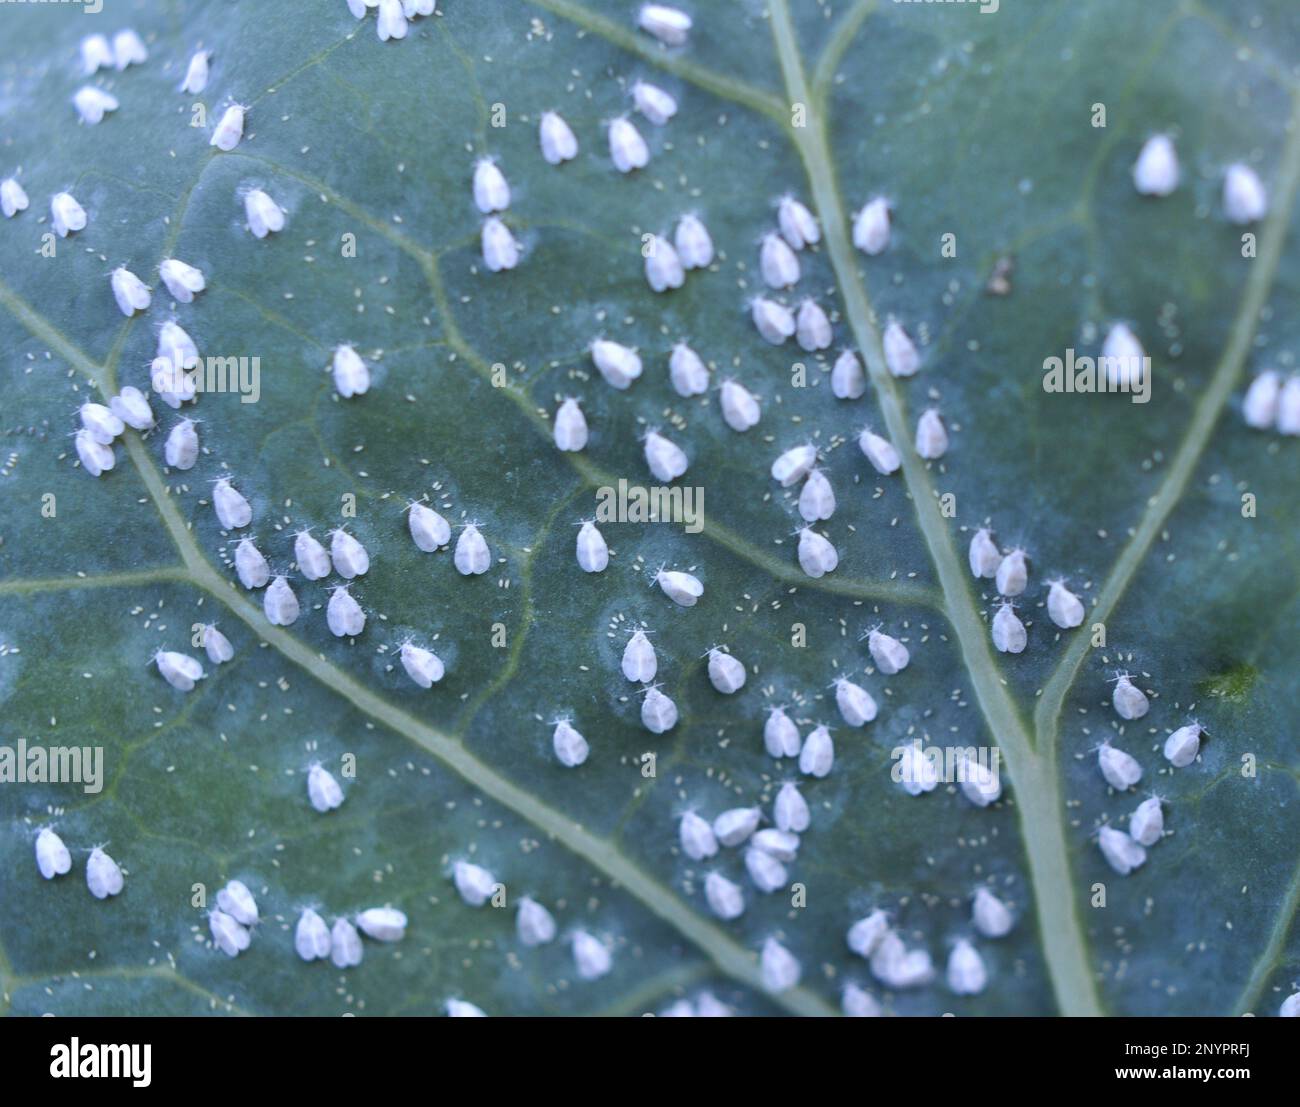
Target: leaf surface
(978,126)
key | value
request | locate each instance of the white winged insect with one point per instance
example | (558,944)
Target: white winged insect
(856,704)
(229,129)
(816,498)
(773,320)
(311,937)
(620,365)
(697,838)
(888,653)
(196,73)
(1120,769)
(52,856)
(684,589)
(726,673)
(279,603)
(66,214)
(491,190)
(639,662)
(501,249)
(817,556)
(740,408)
(794,464)
(817,757)
(1009,634)
(790,810)
(429,530)
(571,748)
(901,357)
(129,291)
(871,227)
(570,430)
(848,380)
(694,245)
(592,550)
(781,736)
(350,557)
(103,874)
(264,215)
(13,197)
(312,558)
(798,226)
(182,280)
(1129,701)
(1063,606)
(879,451)
(179,670)
(423,666)
(323,789)
(663,266)
(666,460)
(351,373)
(657,104)
(345,616)
(669,25)
(687,371)
(627,149)
(556,137)
(472,556)
(658,711)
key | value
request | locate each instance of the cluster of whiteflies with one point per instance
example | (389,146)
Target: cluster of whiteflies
(1127,850)
(897,967)
(1009,571)
(1156,173)
(392,16)
(172,373)
(816,752)
(103,875)
(534,924)
(666,261)
(232,920)
(640,664)
(101,426)
(1270,401)
(767,850)
(92,104)
(620,365)
(668,258)
(346,556)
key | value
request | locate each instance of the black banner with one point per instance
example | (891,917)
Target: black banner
(362,1055)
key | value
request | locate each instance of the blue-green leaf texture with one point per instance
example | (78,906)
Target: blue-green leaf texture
(977,125)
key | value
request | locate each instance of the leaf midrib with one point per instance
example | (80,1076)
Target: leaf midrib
(1031,757)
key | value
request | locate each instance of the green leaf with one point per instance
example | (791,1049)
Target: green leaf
(975,124)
